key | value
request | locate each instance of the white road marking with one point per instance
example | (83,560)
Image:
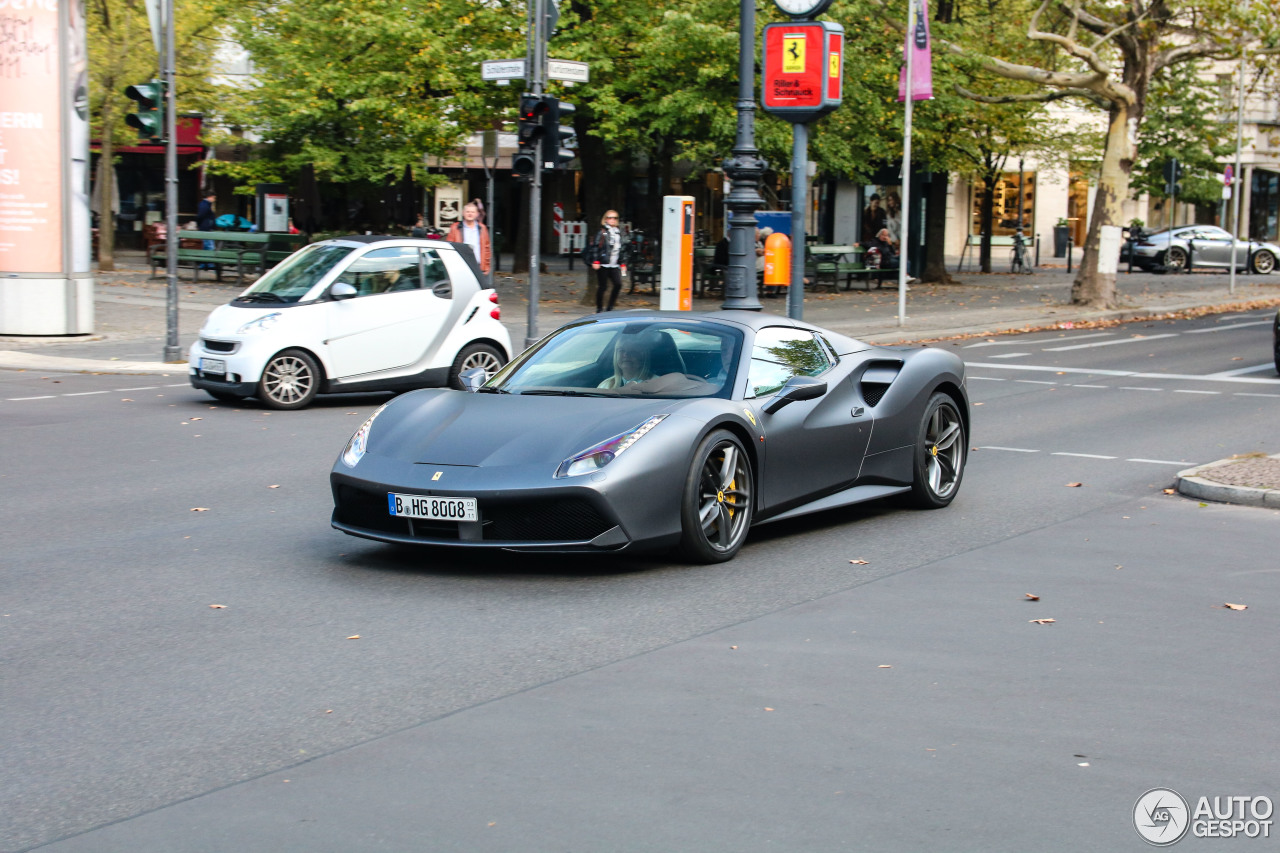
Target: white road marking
(143,388)
(44,397)
(1158,461)
(1012,355)
(1248,394)
(1191,391)
(1110,343)
(1010,449)
(995,365)
(1036,381)
(1107,387)
(1083,455)
(1226,328)
(989,378)
(1244,370)
(1138,388)
(85,393)
(1023,341)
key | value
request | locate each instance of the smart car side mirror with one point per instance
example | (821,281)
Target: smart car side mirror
(472,379)
(797,388)
(342,290)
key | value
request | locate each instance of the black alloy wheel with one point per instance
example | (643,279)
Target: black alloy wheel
(483,356)
(940,454)
(716,508)
(1264,262)
(289,381)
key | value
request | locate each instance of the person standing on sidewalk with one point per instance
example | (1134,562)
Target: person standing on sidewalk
(207,220)
(608,259)
(471,231)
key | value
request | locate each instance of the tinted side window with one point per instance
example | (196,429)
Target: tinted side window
(779,354)
(383,271)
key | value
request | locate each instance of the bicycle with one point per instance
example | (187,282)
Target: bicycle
(1018,261)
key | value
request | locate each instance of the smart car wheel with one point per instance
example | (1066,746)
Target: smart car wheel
(1264,263)
(940,454)
(483,356)
(715,511)
(1175,258)
(289,381)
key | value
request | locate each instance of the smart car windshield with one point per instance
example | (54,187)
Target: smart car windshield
(628,358)
(294,277)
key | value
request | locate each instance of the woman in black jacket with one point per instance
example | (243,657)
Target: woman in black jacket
(607,253)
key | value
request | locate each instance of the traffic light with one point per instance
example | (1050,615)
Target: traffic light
(529,131)
(1172,176)
(555,151)
(148,121)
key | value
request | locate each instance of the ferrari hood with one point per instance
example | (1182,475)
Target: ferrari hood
(440,427)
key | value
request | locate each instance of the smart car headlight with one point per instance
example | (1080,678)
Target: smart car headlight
(266,321)
(359,442)
(599,455)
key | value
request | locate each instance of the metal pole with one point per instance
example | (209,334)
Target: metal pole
(905,229)
(799,203)
(535,64)
(172,351)
(744,168)
(1237,176)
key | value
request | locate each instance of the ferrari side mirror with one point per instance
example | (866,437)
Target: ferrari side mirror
(472,379)
(797,388)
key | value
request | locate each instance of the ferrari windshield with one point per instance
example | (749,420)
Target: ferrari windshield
(294,277)
(628,358)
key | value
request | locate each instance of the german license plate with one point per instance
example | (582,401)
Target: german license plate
(432,508)
(213,365)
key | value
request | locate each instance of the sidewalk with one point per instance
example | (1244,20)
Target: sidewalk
(130,309)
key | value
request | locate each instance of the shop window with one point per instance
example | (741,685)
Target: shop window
(1014,204)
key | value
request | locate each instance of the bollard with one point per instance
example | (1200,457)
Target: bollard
(777,260)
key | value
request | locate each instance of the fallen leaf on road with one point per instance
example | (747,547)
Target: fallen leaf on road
(273,487)
(733,647)
(885,666)
(977,404)
(1074,485)
(1170,491)
(768,709)
(354,637)
(1238,358)
(196,419)
(218,606)
(859,562)
(199,509)
(126,400)
(1031,597)
(1042,621)
(1231,606)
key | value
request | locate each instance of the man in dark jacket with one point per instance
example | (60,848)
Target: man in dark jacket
(206,220)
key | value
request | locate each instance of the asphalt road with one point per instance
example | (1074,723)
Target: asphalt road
(503,703)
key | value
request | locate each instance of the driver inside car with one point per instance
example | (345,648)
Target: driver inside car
(631,358)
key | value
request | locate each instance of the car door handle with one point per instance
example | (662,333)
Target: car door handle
(444,290)
(857,411)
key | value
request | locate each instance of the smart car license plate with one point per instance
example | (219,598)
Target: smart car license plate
(213,365)
(432,508)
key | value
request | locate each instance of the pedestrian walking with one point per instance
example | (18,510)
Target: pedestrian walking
(207,219)
(474,233)
(608,257)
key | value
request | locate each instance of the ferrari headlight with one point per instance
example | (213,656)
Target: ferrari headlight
(266,321)
(597,456)
(359,442)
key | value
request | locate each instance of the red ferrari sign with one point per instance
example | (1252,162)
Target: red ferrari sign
(802,69)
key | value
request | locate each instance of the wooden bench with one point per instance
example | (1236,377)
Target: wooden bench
(243,249)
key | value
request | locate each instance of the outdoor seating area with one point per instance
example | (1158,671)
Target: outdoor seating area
(242,250)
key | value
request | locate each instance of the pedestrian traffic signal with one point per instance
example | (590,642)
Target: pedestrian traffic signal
(148,121)
(529,131)
(558,141)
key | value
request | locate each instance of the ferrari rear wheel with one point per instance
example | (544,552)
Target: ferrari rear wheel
(940,454)
(715,511)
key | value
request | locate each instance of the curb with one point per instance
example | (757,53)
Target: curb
(1192,485)
(14,360)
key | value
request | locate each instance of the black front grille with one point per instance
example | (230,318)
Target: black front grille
(873,392)
(570,519)
(218,346)
(554,520)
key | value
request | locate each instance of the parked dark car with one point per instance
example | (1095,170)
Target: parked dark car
(1207,246)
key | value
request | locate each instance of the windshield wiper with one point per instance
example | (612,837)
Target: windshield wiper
(261,296)
(562,392)
(487,390)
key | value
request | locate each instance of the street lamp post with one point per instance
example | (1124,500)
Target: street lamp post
(744,169)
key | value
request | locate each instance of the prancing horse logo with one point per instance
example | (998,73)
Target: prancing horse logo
(436,476)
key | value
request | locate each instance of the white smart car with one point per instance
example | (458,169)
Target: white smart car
(359,313)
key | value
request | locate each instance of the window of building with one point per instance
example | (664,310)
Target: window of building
(1014,204)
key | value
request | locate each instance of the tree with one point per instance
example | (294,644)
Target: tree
(1108,53)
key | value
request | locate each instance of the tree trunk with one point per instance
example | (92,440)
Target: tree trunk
(106,192)
(935,231)
(1095,283)
(985,217)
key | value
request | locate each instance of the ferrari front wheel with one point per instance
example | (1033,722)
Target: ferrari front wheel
(715,510)
(939,454)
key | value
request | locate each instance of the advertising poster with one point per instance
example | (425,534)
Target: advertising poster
(30,139)
(448,205)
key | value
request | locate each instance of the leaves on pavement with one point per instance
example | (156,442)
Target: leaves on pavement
(1042,621)
(1231,606)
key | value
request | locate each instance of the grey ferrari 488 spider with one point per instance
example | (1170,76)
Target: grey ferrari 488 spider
(648,430)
